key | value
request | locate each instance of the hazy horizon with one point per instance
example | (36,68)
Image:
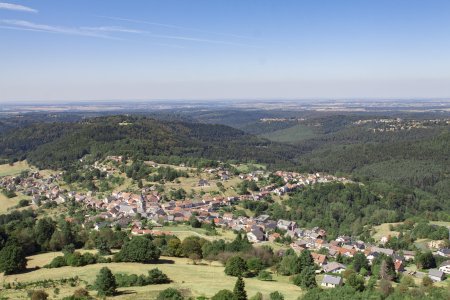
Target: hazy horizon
(59,52)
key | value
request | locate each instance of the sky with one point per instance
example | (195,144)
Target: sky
(86,50)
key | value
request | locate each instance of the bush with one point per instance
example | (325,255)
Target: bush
(12,259)
(155,276)
(39,295)
(264,276)
(223,295)
(138,249)
(57,262)
(236,266)
(170,294)
(105,283)
(276,296)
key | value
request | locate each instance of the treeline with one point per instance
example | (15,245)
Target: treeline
(59,145)
(347,208)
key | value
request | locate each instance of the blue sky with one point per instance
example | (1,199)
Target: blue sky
(230,49)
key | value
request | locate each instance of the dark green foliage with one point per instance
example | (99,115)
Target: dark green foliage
(343,208)
(306,279)
(12,259)
(356,281)
(255,265)
(264,276)
(194,222)
(170,294)
(360,261)
(289,265)
(276,296)
(192,247)
(155,276)
(138,249)
(167,173)
(23,203)
(75,259)
(424,230)
(425,260)
(57,262)
(105,283)
(236,266)
(9,193)
(44,230)
(305,260)
(340,293)
(61,144)
(239,290)
(387,269)
(223,295)
(239,244)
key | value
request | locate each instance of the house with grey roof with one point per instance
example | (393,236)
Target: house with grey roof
(436,275)
(445,267)
(331,281)
(334,267)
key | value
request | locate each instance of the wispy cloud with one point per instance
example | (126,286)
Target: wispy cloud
(30,26)
(195,39)
(17,7)
(112,29)
(171,26)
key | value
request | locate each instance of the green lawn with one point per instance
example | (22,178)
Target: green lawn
(16,168)
(183,231)
(6,202)
(200,280)
(292,134)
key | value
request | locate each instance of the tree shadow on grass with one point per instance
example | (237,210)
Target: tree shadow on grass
(126,292)
(165,262)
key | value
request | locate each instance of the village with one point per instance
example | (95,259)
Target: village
(126,209)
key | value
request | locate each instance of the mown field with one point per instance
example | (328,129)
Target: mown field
(204,279)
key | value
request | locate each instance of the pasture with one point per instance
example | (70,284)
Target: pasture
(201,279)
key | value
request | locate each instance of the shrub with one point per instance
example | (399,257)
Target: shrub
(39,295)
(170,294)
(223,295)
(264,276)
(105,283)
(57,262)
(236,266)
(138,249)
(276,296)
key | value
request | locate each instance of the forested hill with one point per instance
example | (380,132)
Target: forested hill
(57,145)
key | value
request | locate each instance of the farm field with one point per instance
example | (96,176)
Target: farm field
(183,231)
(16,168)
(200,280)
(383,230)
(292,134)
(6,202)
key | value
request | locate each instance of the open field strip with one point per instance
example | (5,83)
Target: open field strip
(201,279)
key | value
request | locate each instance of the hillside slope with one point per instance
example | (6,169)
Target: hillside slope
(58,145)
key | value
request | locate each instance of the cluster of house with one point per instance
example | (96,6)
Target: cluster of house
(345,246)
(120,208)
(36,186)
(383,125)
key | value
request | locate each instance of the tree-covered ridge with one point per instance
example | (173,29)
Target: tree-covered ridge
(60,144)
(346,209)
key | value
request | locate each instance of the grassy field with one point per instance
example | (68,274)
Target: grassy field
(16,168)
(183,231)
(200,280)
(383,230)
(292,134)
(6,202)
